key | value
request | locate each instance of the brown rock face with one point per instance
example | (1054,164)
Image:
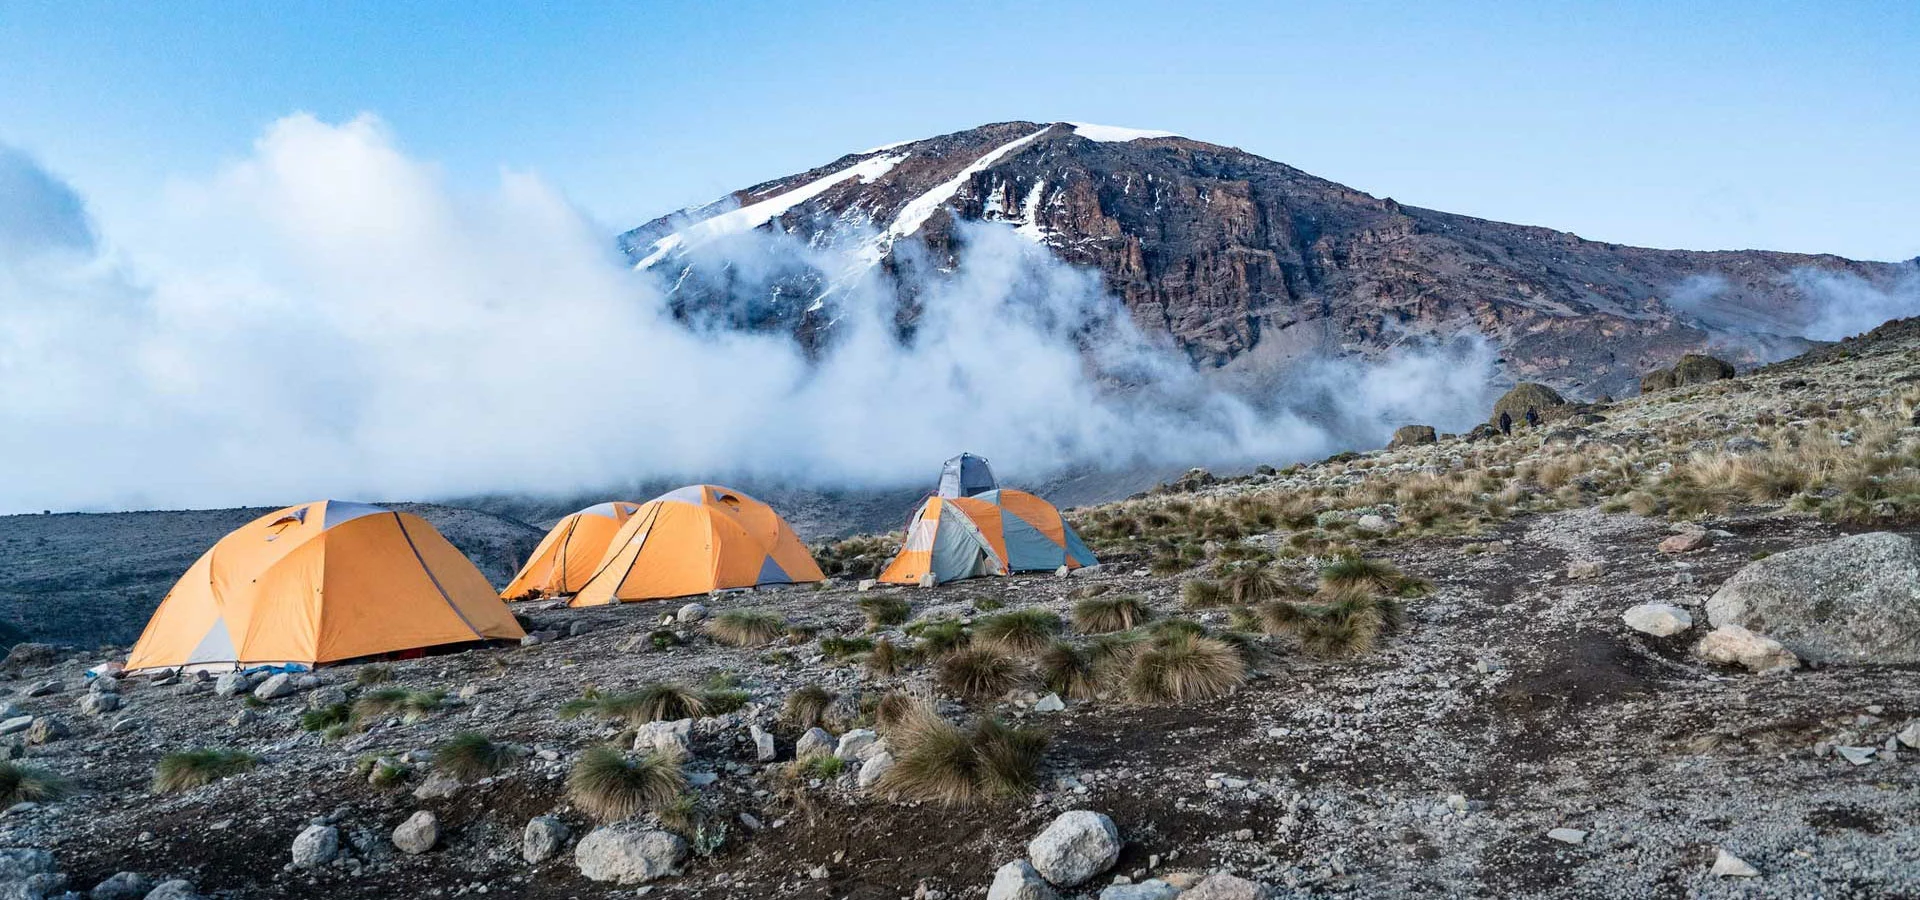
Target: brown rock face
(1409,435)
(1241,260)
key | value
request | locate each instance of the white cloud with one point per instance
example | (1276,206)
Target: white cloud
(328,318)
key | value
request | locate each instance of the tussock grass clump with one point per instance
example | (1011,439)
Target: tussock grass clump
(656,702)
(979,673)
(30,784)
(1112,653)
(1103,614)
(611,786)
(936,636)
(326,717)
(189,769)
(1169,628)
(410,706)
(884,612)
(1355,570)
(939,762)
(892,708)
(1202,593)
(372,674)
(886,659)
(1068,671)
(1251,582)
(1020,631)
(834,646)
(823,766)
(747,627)
(471,755)
(806,706)
(1332,637)
(1184,666)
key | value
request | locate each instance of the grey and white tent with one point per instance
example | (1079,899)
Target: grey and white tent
(966,475)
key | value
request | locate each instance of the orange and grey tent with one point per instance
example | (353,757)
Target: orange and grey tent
(570,553)
(698,539)
(997,532)
(319,583)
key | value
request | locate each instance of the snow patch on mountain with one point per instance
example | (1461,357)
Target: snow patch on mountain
(921,208)
(1114,134)
(1030,210)
(754,215)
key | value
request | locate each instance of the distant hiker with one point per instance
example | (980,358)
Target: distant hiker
(1506,424)
(1533,417)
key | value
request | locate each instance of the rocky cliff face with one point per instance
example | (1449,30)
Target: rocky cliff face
(1245,262)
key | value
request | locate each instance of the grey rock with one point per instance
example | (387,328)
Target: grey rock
(16,863)
(46,730)
(43,689)
(1853,600)
(176,889)
(691,613)
(438,786)
(35,887)
(1078,845)
(629,854)
(1727,865)
(1568,835)
(664,737)
(1050,703)
(1151,889)
(104,684)
(316,846)
(763,746)
(1657,619)
(1859,756)
(99,704)
(284,684)
(874,768)
(856,744)
(816,742)
(1733,645)
(232,684)
(418,833)
(122,886)
(1017,880)
(1222,886)
(543,838)
(15,725)
(321,698)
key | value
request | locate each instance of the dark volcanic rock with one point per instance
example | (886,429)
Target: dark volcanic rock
(1409,435)
(1247,262)
(1527,404)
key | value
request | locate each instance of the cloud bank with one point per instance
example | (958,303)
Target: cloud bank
(327,317)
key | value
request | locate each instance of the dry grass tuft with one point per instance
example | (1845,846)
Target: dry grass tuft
(1201,593)
(1184,666)
(611,786)
(1103,614)
(1068,671)
(979,673)
(471,755)
(886,659)
(806,706)
(884,612)
(190,769)
(939,762)
(29,784)
(747,627)
(656,702)
(1020,631)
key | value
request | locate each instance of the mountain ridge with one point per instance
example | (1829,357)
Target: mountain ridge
(1249,264)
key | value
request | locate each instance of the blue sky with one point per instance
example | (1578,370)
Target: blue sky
(1701,125)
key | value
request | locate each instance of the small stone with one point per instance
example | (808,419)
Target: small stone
(1017,880)
(418,833)
(1910,735)
(176,889)
(1568,835)
(1859,756)
(231,684)
(1727,865)
(1586,568)
(1686,542)
(321,698)
(316,846)
(763,746)
(1374,524)
(691,613)
(99,704)
(543,838)
(1733,645)
(1222,886)
(1657,619)
(819,873)
(579,629)
(43,689)
(1078,845)
(854,744)
(283,684)
(45,730)
(16,724)
(664,737)
(1151,889)
(866,584)
(816,742)
(438,786)
(1050,703)
(875,767)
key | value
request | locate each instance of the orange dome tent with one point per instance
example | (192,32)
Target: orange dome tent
(697,539)
(320,583)
(996,532)
(570,553)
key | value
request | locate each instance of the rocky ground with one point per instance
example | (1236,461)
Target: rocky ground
(1514,738)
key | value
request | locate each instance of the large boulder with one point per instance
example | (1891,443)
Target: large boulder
(1854,600)
(629,854)
(1657,380)
(177,889)
(1077,846)
(18,863)
(1527,404)
(122,886)
(1696,368)
(1412,435)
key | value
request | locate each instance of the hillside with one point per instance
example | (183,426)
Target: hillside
(1247,264)
(1651,648)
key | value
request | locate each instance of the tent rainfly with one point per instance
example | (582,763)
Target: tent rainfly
(694,540)
(966,475)
(995,533)
(570,553)
(319,583)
